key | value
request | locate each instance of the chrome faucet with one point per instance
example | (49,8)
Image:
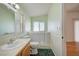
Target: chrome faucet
(11,41)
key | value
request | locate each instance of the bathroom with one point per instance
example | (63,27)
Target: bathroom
(30,29)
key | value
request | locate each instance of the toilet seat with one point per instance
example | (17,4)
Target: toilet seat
(34,44)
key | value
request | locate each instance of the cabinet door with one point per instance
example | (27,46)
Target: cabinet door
(19,54)
(26,51)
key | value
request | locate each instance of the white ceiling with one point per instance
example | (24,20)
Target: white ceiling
(36,9)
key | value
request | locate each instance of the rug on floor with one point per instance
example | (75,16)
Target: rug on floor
(44,52)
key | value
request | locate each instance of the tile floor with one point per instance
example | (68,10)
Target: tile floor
(44,52)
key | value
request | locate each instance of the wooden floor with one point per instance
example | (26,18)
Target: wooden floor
(73,48)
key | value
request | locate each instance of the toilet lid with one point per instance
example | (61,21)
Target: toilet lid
(34,43)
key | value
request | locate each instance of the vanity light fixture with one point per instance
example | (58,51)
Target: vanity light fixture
(12,6)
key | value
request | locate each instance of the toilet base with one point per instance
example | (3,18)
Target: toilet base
(34,47)
(34,51)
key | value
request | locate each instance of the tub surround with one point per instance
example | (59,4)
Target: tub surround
(23,45)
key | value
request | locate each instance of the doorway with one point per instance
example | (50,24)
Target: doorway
(76,30)
(73,47)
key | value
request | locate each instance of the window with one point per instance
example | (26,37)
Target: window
(35,26)
(42,26)
(38,26)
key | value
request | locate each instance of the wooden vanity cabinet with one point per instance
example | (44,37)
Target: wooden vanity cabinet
(19,54)
(25,51)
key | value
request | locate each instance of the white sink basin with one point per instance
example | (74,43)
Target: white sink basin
(13,45)
(14,48)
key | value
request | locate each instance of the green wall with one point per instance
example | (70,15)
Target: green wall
(40,18)
(7,18)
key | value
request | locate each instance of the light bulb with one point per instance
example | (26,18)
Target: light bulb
(17,6)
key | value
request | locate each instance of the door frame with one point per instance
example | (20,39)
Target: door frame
(64,53)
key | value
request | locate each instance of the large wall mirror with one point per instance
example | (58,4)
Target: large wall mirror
(19,28)
(7,20)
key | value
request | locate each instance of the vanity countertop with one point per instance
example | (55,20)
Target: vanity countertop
(14,51)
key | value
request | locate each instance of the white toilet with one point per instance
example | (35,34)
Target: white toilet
(34,47)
